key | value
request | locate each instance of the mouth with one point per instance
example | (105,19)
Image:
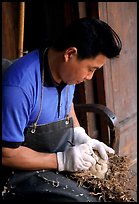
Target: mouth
(78,82)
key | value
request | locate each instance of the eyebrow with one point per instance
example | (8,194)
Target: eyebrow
(94,67)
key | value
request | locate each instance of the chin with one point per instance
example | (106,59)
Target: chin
(70,82)
(79,82)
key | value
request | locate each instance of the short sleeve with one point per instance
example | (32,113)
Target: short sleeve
(15,114)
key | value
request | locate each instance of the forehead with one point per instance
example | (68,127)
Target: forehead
(100,57)
(97,61)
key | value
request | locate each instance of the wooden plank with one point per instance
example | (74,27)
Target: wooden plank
(128,139)
(9,30)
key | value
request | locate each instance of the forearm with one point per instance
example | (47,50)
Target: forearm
(28,159)
(73,115)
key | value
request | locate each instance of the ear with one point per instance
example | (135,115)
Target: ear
(69,53)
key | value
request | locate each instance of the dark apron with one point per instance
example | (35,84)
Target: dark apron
(50,138)
(46,185)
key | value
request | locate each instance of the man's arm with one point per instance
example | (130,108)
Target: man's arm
(73,159)
(73,115)
(27,159)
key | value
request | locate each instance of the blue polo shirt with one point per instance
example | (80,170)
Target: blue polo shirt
(21,94)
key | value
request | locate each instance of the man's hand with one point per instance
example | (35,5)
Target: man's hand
(80,137)
(76,158)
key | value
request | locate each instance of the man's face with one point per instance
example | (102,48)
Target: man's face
(75,71)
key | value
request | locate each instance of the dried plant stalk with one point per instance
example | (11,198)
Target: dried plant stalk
(114,187)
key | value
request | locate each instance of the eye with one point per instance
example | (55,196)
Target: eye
(92,70)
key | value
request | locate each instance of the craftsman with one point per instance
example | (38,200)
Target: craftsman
(41,136)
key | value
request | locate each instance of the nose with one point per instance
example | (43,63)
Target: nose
(89,76)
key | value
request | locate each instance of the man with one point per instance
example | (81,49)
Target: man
(41,135)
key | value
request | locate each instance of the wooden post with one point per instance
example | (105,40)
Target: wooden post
(21,29)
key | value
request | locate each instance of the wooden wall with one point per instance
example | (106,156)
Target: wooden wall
(120,75)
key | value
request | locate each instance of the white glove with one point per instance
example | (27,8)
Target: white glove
(75,158)
(80,137)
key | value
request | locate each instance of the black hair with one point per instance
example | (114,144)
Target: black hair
(91,37)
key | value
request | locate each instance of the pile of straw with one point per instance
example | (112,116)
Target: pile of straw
(114,187)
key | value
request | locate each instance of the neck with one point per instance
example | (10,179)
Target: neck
(53,60)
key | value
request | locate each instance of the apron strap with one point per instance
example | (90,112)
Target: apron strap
(35,123)
(67,88)
(67,115)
